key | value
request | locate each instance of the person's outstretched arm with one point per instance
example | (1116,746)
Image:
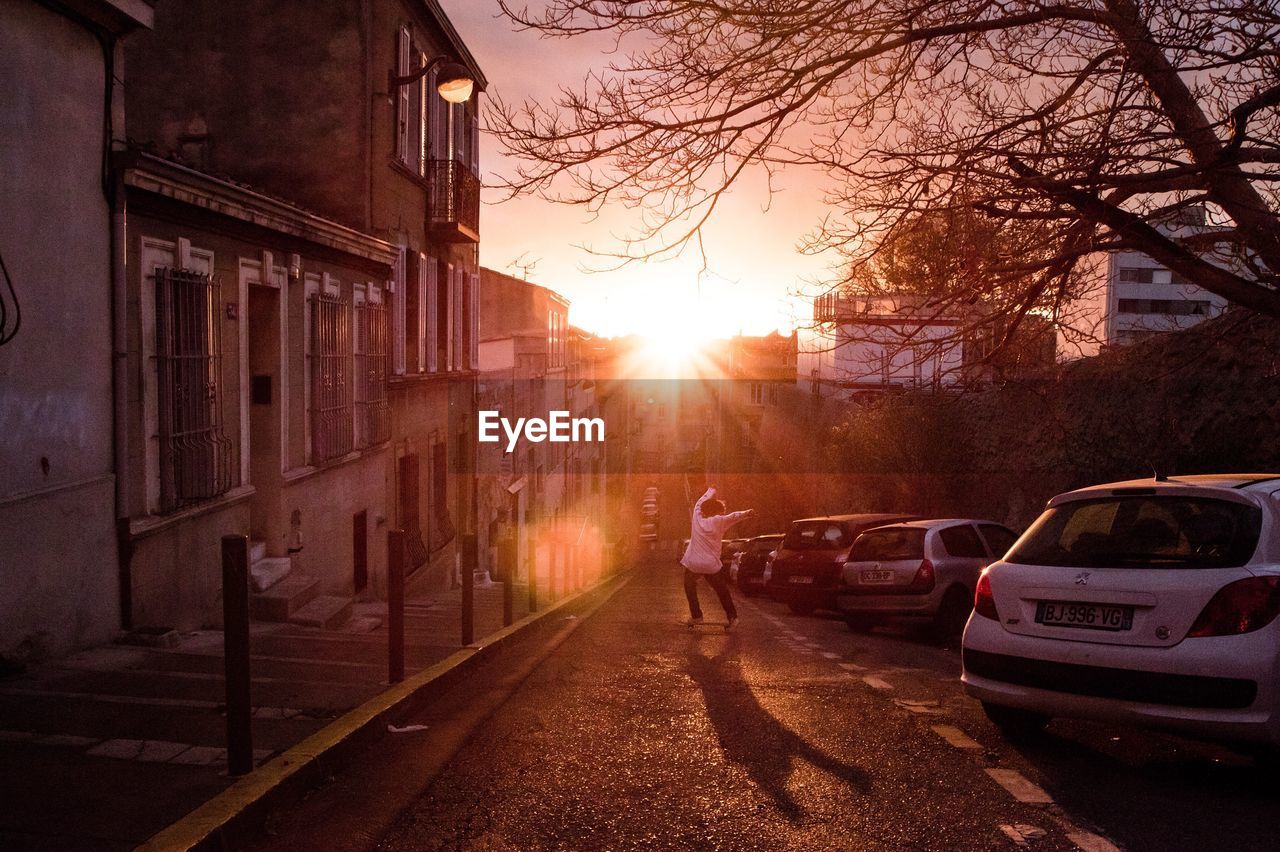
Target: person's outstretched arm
(697,507)
(733,517)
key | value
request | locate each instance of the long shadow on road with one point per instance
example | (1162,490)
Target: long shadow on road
(752,737)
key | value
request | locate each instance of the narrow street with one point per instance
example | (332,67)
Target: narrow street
(630,730)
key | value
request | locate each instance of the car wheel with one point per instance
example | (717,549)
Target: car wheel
(802,607)
(860,623)
(1016,724)
(953,613)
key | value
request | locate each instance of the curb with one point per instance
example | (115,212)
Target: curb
(218,822)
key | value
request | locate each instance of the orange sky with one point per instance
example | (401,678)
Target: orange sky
(752,257)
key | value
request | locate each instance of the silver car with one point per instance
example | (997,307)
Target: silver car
(925,569)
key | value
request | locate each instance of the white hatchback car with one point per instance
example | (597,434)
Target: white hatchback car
(1151,601)
(921,569)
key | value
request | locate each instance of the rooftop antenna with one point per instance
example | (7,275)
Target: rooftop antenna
(1157,475)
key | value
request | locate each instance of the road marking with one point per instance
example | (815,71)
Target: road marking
(956,737)
(876,682)
(1022,835)
(852,667)
(830,656)
(1090,842)
(1019,787)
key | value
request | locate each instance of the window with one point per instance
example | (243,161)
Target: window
(1168,307)
(475,321)
(757,393)
(1142,532)
(400,306)
(195,454)
(998,538)
(888,545)
(421,114)
(457,300)
(1137,274)
(373,417)
(962,541)
(404,94)
(773,394)
(442,323)
(555,338)
(415,360)
(330,364)
(816,535)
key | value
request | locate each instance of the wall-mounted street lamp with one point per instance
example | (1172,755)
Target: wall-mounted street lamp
(453,81)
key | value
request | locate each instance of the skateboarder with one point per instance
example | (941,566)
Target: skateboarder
(702,556)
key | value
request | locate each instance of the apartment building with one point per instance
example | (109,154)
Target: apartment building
(362,348)
(1144,298)
(61,72)
(532,363)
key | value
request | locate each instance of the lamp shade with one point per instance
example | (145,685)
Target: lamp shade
(454,82)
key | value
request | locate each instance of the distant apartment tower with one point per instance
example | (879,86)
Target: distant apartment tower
(1144,298)
(859,345)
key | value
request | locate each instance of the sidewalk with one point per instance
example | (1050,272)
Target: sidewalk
(102,749)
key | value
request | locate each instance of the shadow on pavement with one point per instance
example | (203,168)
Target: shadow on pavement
(751,737)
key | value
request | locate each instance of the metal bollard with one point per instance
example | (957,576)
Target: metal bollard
(395,606)
(235,652)
(469,564)
(532,558)
(507,563)
(553,551)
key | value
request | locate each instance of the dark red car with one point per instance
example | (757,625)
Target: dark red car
(806,571)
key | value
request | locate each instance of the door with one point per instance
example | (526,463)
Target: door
(266,405)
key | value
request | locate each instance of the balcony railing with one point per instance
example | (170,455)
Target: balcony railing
(453,201)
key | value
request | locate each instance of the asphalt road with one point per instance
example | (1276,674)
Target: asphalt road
(627,730)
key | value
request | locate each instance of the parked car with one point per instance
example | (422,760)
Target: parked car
(922,569)
(729,548)
(806,571)
(752,561)
(1152,601)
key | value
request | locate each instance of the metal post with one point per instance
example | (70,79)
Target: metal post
(395,606)
(235,652)
(507,565)
(468,588)
(532,558)
(552,552)
(574,567)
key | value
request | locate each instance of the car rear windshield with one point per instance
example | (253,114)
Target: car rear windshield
(765,545)
(888,544)
(1142,532)
(816,535)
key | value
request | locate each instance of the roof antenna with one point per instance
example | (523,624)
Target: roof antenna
(1157,475)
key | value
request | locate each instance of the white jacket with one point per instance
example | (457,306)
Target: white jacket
(702,556)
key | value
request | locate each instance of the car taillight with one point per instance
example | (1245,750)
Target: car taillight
(924,579)
(1239,607)
(984,603)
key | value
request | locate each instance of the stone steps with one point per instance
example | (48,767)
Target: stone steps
(325,612)
(286,597)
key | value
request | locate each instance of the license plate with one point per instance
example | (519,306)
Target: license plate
(875,577)
(801,580)
(1086,615)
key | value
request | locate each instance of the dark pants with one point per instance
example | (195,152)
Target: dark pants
(718,583)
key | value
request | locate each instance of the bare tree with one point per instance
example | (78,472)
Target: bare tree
(1086,123)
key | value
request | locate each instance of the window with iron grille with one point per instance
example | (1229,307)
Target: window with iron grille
(195,453)
(331,387)
(373,417)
